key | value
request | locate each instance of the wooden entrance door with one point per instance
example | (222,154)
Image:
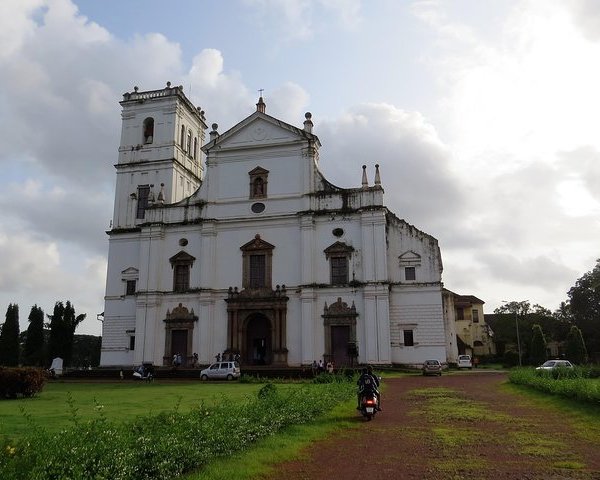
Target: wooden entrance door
(258,341)
(179,342)
(340,336)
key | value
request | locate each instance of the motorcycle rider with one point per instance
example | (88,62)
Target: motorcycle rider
(368,383)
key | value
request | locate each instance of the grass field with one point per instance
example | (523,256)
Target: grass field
(201,422)
(53,408)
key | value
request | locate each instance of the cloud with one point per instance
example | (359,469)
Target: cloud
(518,113)
(414,163)
(300,20)
(223,96)
(33,273)
(541,271)
(288,102)
(586,15)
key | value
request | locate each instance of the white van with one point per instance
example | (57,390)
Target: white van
(221,370)
(464,361)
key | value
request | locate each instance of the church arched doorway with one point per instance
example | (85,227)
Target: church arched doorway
(258,338)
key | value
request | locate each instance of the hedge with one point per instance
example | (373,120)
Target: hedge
(25,382)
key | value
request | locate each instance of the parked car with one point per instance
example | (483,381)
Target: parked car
(552,364)
(221,371)
(464,361)
(432,367)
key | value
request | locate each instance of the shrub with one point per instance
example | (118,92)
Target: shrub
(573,383)
(166,445)
(26,382)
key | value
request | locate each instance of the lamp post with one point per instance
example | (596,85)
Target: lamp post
(517,329)
(518,338)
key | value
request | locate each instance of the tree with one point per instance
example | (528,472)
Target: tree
(86,351)
(537,350)
(63,323)
(576,351)
(33,352)
(584,302)
(9,338)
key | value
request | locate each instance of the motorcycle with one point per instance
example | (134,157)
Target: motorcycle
(144,373)
(368,405)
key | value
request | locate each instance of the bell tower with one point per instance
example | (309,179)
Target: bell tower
(160,155)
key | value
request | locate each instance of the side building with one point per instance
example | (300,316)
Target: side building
(238,244)
(473,335)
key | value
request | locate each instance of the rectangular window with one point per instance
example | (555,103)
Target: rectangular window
(408,338)
(181,281)
(475,316)
(130,287)
(410,273)
(257,271)
(142,200)
(339,270)
(460,314)
(132,342)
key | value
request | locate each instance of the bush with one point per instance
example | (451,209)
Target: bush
(163,446)
(26,382)
(574,383)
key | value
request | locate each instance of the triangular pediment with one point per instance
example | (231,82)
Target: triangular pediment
(338,248)
(410,258)
(258,129)
(182,257)
(257,244)
(258,171)
(130,271)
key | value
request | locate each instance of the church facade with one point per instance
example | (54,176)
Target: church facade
(237,244)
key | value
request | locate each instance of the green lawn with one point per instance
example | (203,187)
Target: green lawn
(53,408)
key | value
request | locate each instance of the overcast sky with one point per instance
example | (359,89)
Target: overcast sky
(483,116)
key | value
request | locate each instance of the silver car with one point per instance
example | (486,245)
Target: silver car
(552,364)
(221,371)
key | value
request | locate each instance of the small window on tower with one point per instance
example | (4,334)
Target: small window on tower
(409,340)
(142,200)
(188,148)
(148,130)
(195,148)
(130,287)
(182,138)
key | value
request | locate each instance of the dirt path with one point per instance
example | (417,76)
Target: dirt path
(454,427)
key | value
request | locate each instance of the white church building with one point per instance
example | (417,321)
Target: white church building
(238,244)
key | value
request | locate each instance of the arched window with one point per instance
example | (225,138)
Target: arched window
(182,139)
(189,143)
(148,128)
(195,148)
